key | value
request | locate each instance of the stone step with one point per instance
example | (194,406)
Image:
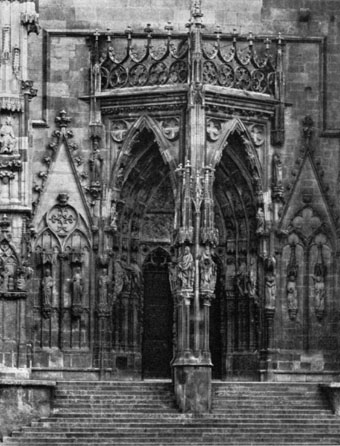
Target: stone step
(187,443)
(157,440)
(144,413)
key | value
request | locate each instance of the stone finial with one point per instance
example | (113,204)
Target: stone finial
(62,120)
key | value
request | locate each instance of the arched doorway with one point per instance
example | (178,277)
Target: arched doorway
(237,198)
(145,210)
(157,348)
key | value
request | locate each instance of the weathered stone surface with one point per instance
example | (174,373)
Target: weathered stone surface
(23,401)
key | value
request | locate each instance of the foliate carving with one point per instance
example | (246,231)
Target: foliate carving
(62,121)
(208,272)
(213,129)
(170,128)
(319,288)
(270,283)
(119,130)
(8,141)
(292,293)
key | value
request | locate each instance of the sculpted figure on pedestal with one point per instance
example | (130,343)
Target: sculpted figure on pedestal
(77,293)
(270,283)
(47,287)
(104,282)
(319,290)
(186,270)
(8,141)
(136,277)
(77,288)
(292,296)
(207,271)
(97,162)
(260,221)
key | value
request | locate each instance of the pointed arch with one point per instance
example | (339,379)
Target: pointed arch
(231,127)
(41,241)
(145,122)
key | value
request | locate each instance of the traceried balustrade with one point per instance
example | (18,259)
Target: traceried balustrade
(135,62)
(242,65)
(148,59)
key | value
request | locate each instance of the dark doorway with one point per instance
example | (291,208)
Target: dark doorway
(158,317)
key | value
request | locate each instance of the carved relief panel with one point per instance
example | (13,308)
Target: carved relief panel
(62,280)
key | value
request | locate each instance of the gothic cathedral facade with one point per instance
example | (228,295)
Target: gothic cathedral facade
(169,192)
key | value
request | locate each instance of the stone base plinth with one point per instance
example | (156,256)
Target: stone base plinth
(192,386)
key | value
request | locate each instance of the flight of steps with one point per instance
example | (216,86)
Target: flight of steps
(144,414)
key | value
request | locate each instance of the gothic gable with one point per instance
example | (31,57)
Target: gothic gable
(307,194)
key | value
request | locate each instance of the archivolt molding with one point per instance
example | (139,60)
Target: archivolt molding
(146,122)
(229,128)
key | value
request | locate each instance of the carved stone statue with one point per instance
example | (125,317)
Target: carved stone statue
(104,284)
(136,277)
(319,289)
(186,270)
(260,222)
(277,171)
(77,293)
(270,284)
(241,278)
(97,162)
(47,288)
(292,296)
(77,287)
(207,271)
(8,141)
(251,284)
